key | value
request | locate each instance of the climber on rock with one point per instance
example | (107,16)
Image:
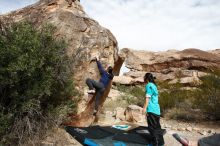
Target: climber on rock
(100,86)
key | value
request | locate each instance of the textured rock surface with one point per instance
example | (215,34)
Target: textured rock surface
(133,113)
(128,80)
(86,39)
(125,80)
(58,137)
(216,51)
(120,113)
(187,65)
(114,95)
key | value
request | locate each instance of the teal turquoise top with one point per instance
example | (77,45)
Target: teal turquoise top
(152,94)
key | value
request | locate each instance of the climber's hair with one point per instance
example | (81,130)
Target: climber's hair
(110,72)
(149,77)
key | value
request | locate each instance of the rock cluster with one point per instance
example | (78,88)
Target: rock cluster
(132,113)
(187,128)
(174,66)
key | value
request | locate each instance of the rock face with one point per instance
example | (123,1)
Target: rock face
(134,114)
(125,80)
(114,95)
(186,65)
(216,51)
(120,113)
(85,38)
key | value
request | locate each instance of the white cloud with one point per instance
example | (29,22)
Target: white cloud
(159,24)
(152,24)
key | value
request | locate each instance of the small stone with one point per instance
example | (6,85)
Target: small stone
(117,120)
(203,133)
(181,129)
(171,132)
(196,129)
(173,128)
(167,126)
(189,129)
(44,143)
(210,131)
(109,113)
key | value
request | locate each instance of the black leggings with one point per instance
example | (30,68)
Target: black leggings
(155,130)
(99,87)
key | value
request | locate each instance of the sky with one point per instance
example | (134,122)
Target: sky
(152,25)
(10,5)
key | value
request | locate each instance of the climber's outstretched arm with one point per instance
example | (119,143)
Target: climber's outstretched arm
(100,67)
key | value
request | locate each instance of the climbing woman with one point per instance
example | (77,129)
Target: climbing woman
(100,86)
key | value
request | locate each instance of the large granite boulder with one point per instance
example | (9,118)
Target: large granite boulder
(85,38)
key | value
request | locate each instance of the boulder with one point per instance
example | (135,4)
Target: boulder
(189,129)
(196,129)
(181,128)
(85,39)
(120,113)
(203,133)
(134,114)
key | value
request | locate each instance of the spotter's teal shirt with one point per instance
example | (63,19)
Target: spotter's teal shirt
(152,94)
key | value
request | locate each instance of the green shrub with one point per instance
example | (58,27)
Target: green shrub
(137,91)
(5,120)
(133,94)
(172,97)
(177,98)
(182,103)
(35,79)
(184,115)
(208,97)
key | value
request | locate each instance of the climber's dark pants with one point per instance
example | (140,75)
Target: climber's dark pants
(99,87)
(155,130)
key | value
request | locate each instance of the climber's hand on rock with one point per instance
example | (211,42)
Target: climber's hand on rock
(93,59)
(97,58)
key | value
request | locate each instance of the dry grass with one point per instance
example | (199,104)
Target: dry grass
(184,115)
(111,104)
